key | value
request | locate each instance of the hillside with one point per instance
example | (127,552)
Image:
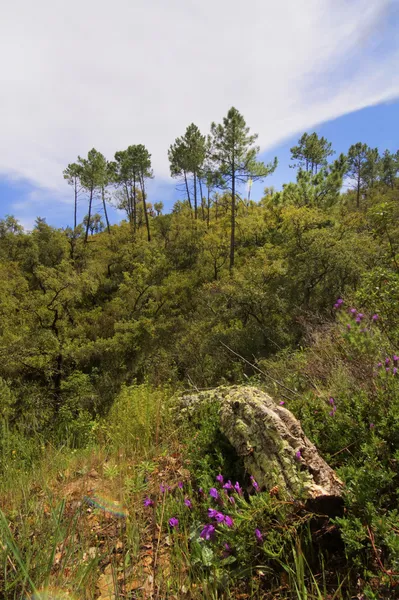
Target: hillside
(104,488)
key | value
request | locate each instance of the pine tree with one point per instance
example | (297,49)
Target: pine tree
(234,153)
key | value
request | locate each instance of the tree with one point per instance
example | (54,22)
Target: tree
(125,170)
(372,167)
(389,167)
(357,167)
(311,152)
(72,175)
(186,157)
(234,153)
(94,174)
(158,207)
(95,224)
(143,163)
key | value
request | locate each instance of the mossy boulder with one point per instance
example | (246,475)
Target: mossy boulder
(270,442)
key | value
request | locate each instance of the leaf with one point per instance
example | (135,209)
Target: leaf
(207,556)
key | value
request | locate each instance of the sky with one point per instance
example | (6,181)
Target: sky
(87,73)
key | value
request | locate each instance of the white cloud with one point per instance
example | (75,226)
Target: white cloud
(87,73)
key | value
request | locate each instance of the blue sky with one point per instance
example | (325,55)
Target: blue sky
(143,71)
(377,126)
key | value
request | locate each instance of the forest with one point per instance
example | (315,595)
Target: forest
(104,490)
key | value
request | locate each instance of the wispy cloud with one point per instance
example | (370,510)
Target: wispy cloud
(90,73)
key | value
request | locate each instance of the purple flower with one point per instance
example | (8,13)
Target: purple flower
(394,370)
(201,491)
(372,425)
(220,479)
(282,403)
(358,320)
(353,311)
(228,486)
(254,483)
(360,316)
(387,360)
(228,521)
(180,485)
(231,499)
(340,301)
(379,365)
(331,413)
(148,502)
(298,455)
(238,488)
(219,517)
(331,401)
(387,369)
(375,317)
(173,522)
(227,550)
(187,502)
(212,513)
(395,358)
(258,535)
(336,306)
(208,532)
(214,493)
(162,488)
(348,327)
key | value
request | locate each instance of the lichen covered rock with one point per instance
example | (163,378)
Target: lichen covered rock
(270,441)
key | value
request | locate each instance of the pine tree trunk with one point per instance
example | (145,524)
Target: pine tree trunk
(89,214)
(208,208)
(187,190)
(195,197)
(147,222)
(105,209)
(233,216)
(75,217)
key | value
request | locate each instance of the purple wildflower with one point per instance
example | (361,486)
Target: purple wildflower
(214,493)
(331,401)
(219,478)
(387,369)
(219,517)
(282,403)
(349,327)
(358,320)
(387,361)
(340,301)
(254,483)
(375,317)
(212,513)
(238,488)
(162,488)
(228,486)
(353,311)
(395,358)
(258,535)
(379,365)
(298,455)
(394,370)
(360,316)
(372,425)
(208,532)
(180,485)
(173,522)
(331,413)
(228,521)
(227,550)
(336,306)
(148,502)
(231,499)
(187,502)
(201,491)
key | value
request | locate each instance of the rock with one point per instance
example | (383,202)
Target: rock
(271,443)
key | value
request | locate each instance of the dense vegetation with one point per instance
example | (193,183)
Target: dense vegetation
(100,328)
